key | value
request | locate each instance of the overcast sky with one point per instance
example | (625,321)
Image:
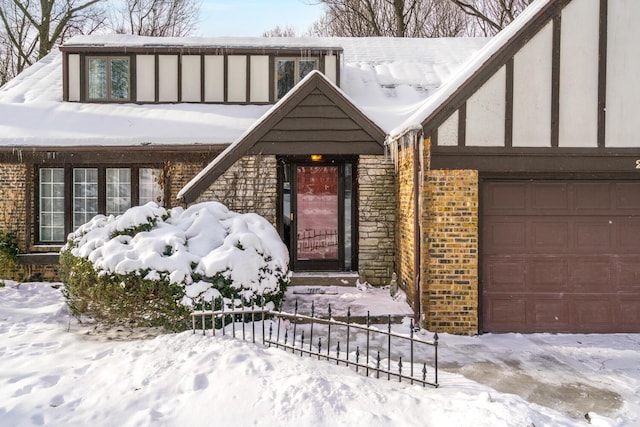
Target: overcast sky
(252,17)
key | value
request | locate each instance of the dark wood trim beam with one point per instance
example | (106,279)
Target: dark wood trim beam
(156,77)
(302,51)
(83,78)
(508,104)
(133,81)
(602,73)
(225,72)
(179,73)
(109,155)
(202,79)
(338,76)
(462,125)
(533,160)
(555,81)
(272,79)
(247,88)
(65,77)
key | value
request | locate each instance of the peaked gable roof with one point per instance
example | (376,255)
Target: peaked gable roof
(315,117)
(486,62)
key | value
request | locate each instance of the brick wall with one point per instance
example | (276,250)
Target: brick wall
(377,218)
(250,185)
(450,256)
(13,215)
(405,245)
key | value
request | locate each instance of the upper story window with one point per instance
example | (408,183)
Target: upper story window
(108,78)
(289,71)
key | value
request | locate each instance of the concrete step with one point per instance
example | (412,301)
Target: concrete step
(322,278)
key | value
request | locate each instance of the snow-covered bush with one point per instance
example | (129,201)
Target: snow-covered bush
(151,266)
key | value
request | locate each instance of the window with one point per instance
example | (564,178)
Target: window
(108,78)
(52,204)
(289,71)
(70,197)
(118,190)
(85,195)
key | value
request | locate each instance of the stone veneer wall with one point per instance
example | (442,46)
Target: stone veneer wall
(405,245)
(450,251)
(250,185)
(377,218)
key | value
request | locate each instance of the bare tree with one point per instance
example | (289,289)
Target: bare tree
(279,31)
(491,16)
(161,18)
(31,29)
(396,18)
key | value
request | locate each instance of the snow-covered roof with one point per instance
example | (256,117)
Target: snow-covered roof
(387,78)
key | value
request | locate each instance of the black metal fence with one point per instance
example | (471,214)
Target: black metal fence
(366,348)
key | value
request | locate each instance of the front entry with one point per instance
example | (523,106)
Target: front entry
(317,213)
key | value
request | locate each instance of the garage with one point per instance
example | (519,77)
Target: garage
(560,256)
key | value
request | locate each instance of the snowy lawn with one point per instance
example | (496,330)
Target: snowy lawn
(54,373)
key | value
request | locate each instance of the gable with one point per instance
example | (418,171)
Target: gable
(314,118)
(556,90)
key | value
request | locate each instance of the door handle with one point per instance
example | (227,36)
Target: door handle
(291,216)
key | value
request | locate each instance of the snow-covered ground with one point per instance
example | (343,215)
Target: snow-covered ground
(59,373)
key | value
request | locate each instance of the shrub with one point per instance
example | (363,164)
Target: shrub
(8,255)
(151,267)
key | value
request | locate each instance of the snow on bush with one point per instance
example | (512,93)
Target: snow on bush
(202,252)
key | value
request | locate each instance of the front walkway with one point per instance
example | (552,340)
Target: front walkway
(361,298)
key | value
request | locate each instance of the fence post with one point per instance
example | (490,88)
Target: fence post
(389,351)
(313,308)
(435,343)
(348,329)
(213,317)
(329,333)
(411,334)
(295,325)
(368,326)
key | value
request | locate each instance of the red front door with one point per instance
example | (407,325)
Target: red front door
(317,217)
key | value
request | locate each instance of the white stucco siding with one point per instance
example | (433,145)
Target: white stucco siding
(214,78)
(191,80)
(448,131)
(168,78)
(486,113)
(145,78)
(532,91)
(579,74)
(623,75)
(259,79)
(74,77)
(237,78)
(330,68)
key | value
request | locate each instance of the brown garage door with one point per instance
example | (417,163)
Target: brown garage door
(561,256)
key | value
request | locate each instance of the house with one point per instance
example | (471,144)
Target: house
(499,179)
(296,126)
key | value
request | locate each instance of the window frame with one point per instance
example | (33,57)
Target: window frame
(296,70)
(102,193)
(108,58)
